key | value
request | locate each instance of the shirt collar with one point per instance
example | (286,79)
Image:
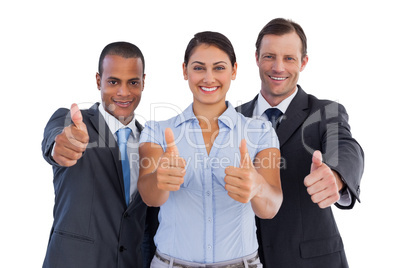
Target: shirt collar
(114,124)
(263,105)
(229,116)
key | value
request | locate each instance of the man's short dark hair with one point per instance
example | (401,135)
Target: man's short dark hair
(122,49)
(280,26)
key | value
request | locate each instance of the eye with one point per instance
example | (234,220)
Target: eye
(220,68)
(112,82)
(198,68)
(134,83)
(290,58)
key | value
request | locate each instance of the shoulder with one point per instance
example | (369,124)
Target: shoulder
(257,130)
(251,123)
(324,106)
(61,112)
(248,107)
(326,110)
(65,112)
(154,131)
(162,124)
(316,102)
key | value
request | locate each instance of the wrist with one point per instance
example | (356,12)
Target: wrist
(339,182)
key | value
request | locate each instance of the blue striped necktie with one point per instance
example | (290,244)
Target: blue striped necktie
(122,138)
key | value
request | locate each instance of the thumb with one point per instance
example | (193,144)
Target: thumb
(170,143)
(316,161)
(76,116)
(245,160)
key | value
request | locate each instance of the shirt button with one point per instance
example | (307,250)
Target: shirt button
(208,193)
(209,219)
(122,248)
(209,247)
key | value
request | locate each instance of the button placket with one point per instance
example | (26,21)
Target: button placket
(209,212)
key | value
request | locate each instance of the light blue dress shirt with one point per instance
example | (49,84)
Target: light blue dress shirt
(200,222)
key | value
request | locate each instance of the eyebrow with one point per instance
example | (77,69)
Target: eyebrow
(115,78)
(202,63)
(273,54)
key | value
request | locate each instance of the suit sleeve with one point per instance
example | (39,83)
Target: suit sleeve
(60,119)
(341,152)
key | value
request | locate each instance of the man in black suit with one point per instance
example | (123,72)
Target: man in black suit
(321,163)
(99,216)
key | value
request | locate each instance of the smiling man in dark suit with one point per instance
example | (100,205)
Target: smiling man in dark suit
(99,216)
(321,163)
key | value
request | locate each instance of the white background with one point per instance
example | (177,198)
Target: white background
(49,56)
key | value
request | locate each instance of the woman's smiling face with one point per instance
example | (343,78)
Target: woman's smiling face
(209,73)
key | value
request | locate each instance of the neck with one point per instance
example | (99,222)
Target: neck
(125,121)
(208,113)
(275,100)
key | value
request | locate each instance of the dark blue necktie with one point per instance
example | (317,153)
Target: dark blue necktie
(273,115)
(122,138)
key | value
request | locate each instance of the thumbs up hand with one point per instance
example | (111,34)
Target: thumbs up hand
(76,117)
(72,142)
(171,167)
(171,147)
(243,182)
(323,184)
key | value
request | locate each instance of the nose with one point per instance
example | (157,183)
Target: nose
(123,90)
(209,77)
(278,66)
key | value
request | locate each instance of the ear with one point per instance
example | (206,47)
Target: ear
(234,71)
(98,81)
(304,63)
(185,71)
(143,82)
(257,59)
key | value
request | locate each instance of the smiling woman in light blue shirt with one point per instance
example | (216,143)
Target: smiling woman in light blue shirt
(210,169)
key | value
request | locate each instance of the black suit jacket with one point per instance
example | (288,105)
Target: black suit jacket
(302,234)
(93,227)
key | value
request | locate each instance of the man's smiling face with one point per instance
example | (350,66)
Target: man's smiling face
(121,86)
(280,62)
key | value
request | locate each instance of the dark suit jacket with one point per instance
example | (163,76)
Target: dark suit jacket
(302,234)
(93,227)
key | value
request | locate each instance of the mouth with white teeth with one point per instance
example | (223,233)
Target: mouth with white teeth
(209,89)
(122,104)
(277,78)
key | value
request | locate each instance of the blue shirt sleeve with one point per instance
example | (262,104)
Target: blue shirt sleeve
(260,136)
(151,133)
(268,138)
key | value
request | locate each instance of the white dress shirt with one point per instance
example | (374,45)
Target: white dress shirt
(262,105)
(132,145)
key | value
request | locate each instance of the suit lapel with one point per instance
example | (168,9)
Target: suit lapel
(106,139)
(294,116)
(247,109)
(137,200)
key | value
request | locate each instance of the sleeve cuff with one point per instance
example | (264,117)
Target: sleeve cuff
(345,199)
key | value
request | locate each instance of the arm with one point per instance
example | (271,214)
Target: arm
(342,153)
(259,183)
(270,196)
(343,157)
(160,172)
